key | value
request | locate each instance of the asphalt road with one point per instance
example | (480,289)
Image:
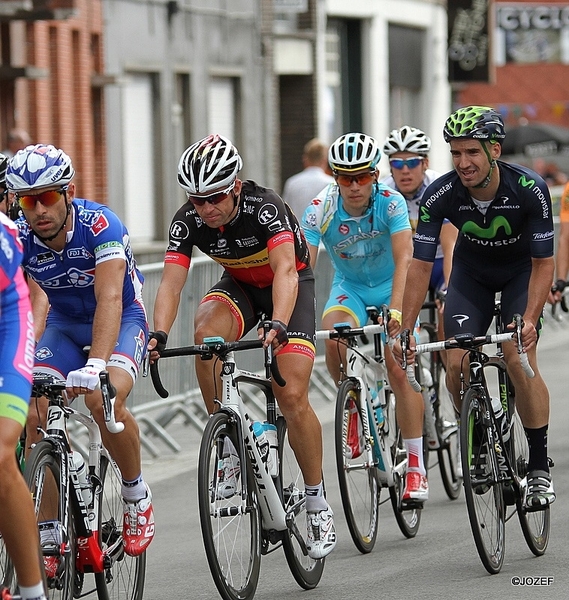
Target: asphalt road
(441,562)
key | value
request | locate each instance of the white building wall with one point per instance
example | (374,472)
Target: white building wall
(429,15)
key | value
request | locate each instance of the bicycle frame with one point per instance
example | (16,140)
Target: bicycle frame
(90,556)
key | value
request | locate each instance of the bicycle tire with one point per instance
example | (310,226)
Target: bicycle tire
(449,446)
(535,525)
(408,519)
(42,467)
(482,488)
(306,571)
(124,575)
(232,543)
(357,478)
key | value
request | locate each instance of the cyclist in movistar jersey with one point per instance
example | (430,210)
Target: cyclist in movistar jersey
(79,253)
(505,245)
(17,519)
(365,228)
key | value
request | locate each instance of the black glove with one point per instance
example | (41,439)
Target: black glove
(161,337)
(280,328)
(560,285)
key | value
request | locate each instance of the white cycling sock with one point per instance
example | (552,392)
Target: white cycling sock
(315,501)
(35,592)
(135,490)
(415,460)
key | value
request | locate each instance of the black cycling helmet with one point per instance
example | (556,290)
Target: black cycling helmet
(3,168)
(475,122)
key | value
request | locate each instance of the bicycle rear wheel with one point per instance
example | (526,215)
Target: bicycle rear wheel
(359,486)
(42,474)
(408,519)
(306,571)
(124,575)
(535,525)
(230,522)
(449,449)
(482,487)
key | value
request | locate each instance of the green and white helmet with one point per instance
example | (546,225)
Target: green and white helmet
(475,122)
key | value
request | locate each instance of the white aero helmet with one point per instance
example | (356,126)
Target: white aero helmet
(353,152)
(37,167)
(209,166)
(407,139)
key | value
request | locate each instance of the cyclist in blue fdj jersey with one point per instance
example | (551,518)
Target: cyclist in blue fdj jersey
(17,520)
(256,238)
(505,245)
(365,228)
(79,253)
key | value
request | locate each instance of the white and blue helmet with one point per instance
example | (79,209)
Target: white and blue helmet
(353,152)
(37,167)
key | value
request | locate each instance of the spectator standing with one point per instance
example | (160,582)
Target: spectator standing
(300,189)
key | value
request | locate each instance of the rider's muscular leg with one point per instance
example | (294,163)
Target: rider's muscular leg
(336,352)
(304,429)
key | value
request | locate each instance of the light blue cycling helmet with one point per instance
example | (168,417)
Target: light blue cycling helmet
(37,167)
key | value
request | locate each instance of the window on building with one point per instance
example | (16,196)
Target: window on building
(224,108)
(139,106)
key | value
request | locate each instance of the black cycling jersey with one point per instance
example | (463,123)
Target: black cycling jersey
(263,221)
(517,226)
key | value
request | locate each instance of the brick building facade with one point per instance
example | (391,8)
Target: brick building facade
(54,93)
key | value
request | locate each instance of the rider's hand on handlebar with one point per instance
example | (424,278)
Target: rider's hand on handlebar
(277,336)
(85,379)
(156,343)
(529,334)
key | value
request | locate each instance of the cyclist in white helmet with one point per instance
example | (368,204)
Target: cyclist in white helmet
(408,151)
(365,228)
(256,238)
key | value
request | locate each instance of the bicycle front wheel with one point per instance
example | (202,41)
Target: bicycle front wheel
(229,514)
(482,487)
(306,571)
(357,477)
(535,525)
(43,476)
(124,575)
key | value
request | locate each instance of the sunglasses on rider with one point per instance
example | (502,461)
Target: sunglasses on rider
(362,179)
(49,198)
(213,199)
(399,163)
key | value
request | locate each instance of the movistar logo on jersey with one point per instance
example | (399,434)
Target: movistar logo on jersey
(526,182)
(487,232)
(425,216)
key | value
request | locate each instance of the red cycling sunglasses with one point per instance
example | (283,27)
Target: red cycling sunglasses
(49,198)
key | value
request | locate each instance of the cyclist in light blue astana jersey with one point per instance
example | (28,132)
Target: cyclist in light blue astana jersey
(78,252)
(365,228)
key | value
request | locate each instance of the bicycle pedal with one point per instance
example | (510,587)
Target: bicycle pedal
(412,504)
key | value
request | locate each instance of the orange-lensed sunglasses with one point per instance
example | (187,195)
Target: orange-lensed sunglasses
(49,198)
(362,179)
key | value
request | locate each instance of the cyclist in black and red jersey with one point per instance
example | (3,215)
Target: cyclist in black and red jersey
(505,245)
(256,238)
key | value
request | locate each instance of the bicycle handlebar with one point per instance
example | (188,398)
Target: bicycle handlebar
(46,385)
(465,341)
(220,348)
